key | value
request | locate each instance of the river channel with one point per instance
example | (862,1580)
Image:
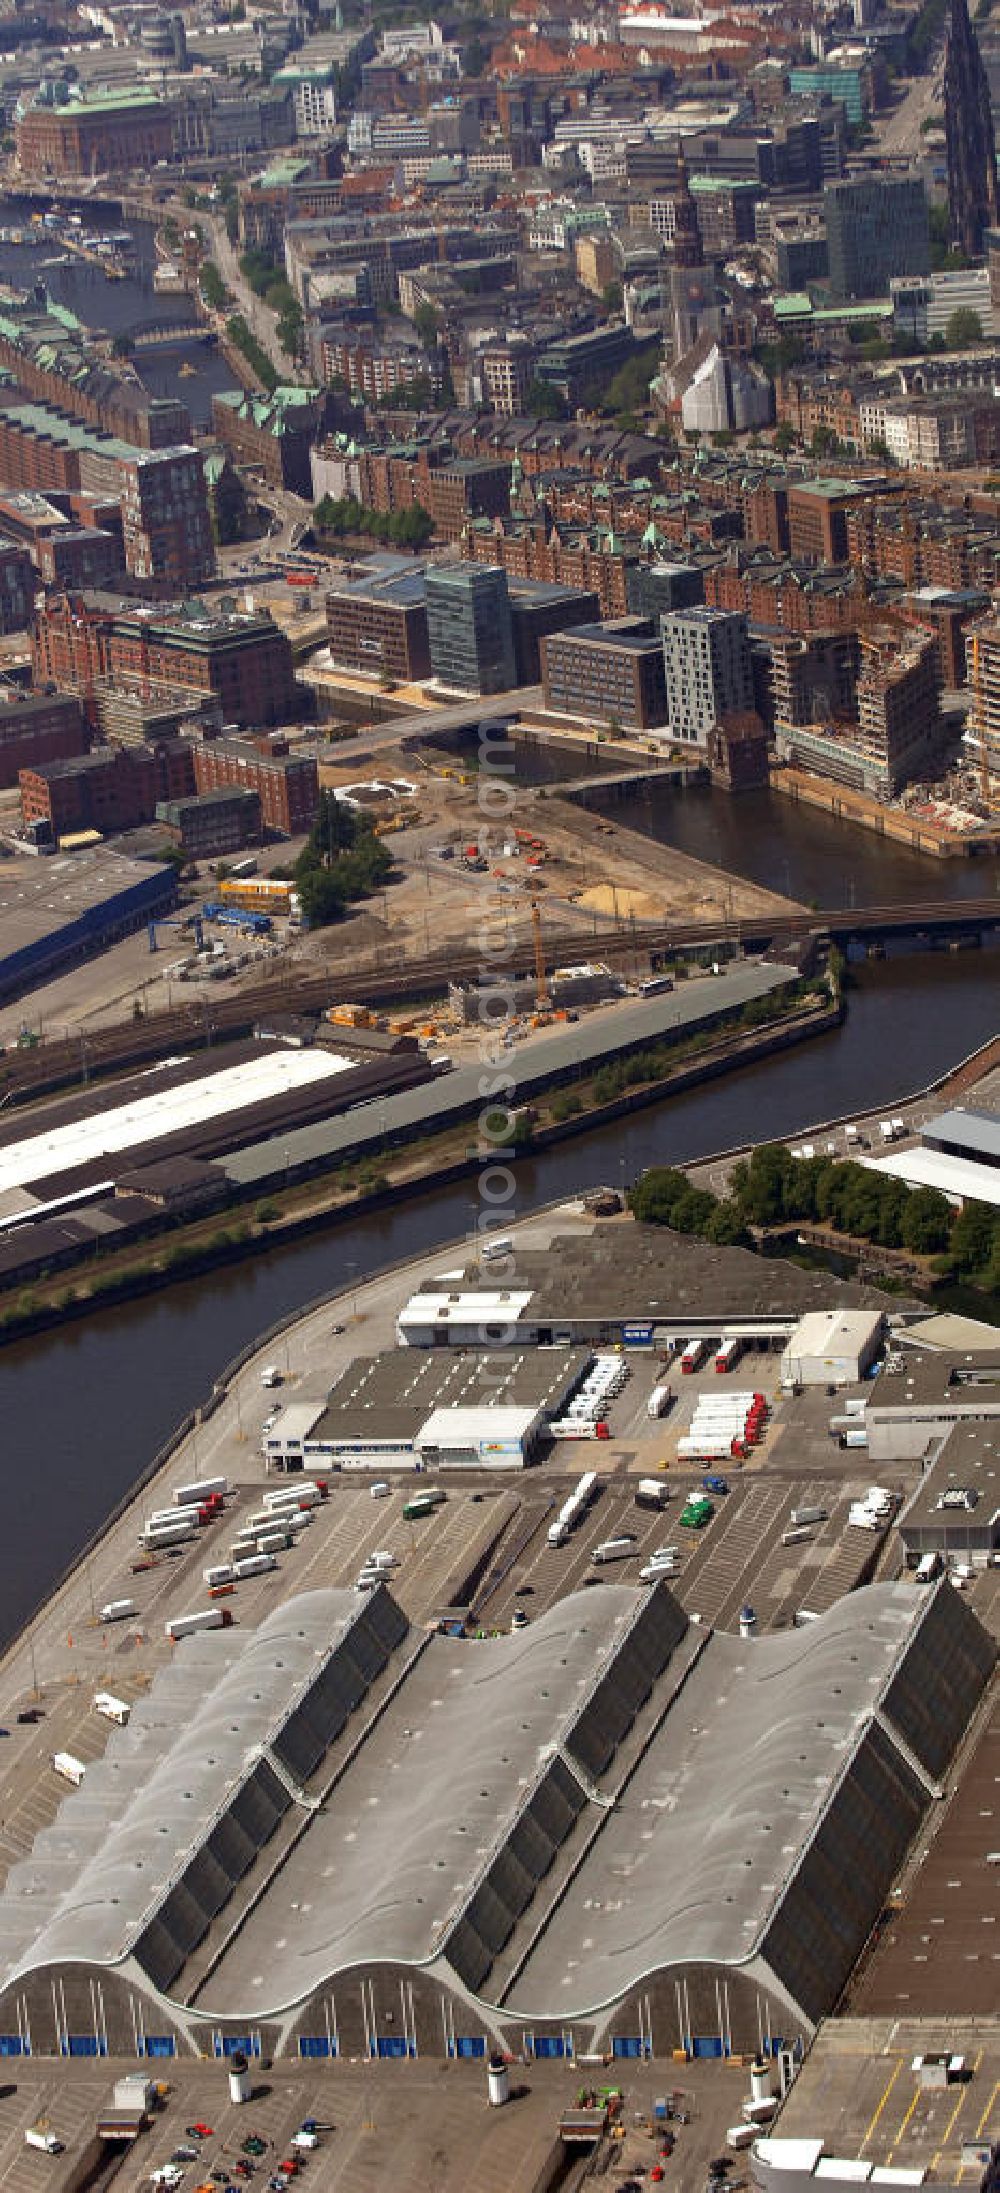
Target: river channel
(111,307)
(84,1410)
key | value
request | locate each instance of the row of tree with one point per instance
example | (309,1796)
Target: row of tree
(335,518)
(773,1188)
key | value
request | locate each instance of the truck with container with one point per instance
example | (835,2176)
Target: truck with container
(693,1356)
(696,1514)
(813,1514)
(189,1625)
(70,1768)
(300,1492)
(253,1564)
(203,1489)
(727,1355)
(221,1572)
(422,1504)
(573,1508)
(613,1549)
(119,1610)
(660,1402)
(112,1708)
(39,2136)
(651,1492)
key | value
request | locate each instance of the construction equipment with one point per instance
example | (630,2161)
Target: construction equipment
(188,921)
(543,1001)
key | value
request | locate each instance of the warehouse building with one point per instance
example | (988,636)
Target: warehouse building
(832,1348)
(455,1898)
(481,1409)
(958,1153)
(198,1106)
(58,911)
(663,1285)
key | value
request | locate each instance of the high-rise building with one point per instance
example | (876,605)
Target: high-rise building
(973,199)
(876,227)
(469,628)
(709,675)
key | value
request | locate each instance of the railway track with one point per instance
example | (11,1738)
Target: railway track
(28,1073)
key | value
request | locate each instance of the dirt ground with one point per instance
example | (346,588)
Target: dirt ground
(592,875)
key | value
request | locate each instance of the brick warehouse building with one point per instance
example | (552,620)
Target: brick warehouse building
(287,784)
(166,529)
(93,134)
(35,728)
(80,639)
(114,788)
(379,623)
(54,364)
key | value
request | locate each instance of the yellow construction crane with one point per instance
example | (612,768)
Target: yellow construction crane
(543,1001)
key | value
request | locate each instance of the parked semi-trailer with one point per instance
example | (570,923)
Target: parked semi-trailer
(118,1610)
(660,1400)
(204,1488)
(694,1355)
(188,1625)
(728,1355)
(163,1534)
(253,1564)
(572,1509)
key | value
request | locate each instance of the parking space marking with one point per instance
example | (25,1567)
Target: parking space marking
(886,2091)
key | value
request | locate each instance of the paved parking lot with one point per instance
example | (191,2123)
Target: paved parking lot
(858,2092)
(408,2125)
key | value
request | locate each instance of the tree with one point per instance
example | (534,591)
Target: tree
(824,442)
(612,297)
(973,1236)
(784,438)
(425,320)
(542,401)
(927,1217)
(963,327)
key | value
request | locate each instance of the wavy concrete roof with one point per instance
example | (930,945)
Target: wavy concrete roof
(120,1841)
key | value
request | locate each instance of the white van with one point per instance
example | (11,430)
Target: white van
(270,1375)
(494,1252)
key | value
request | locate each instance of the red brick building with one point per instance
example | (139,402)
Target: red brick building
(287,784)
(37,728)
(98,134)
(114,788)
(245,660)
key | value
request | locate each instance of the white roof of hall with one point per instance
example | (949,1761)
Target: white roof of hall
(401,1839)
(124,1835)
(691,1865)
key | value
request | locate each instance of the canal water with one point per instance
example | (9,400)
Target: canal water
(809,856)
(113,307)
(84,1409)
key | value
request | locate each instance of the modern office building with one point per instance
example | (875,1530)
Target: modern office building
(607,673)
(378,623)
(469,628)
(655,588)
(707,666)
(876,227)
